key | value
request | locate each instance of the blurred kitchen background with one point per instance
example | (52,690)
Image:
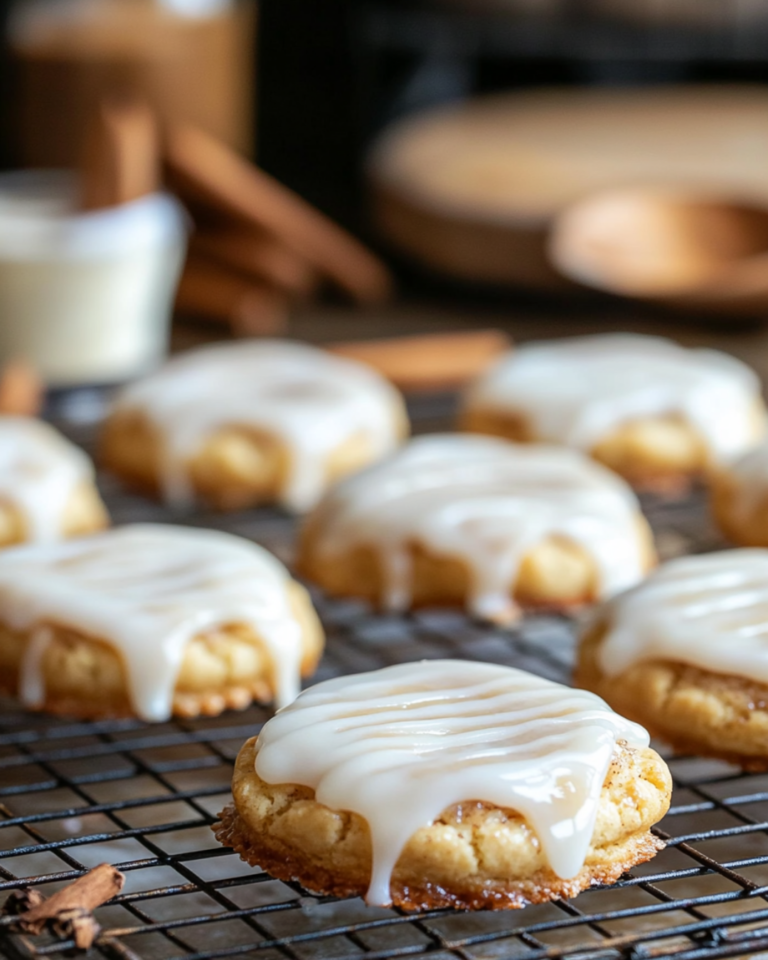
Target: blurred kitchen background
(543,166)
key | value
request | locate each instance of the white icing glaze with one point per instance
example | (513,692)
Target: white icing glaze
(708,611)
(147,590)
(39,472)
(399,746)
(576,391)
(488,502)
(312,401)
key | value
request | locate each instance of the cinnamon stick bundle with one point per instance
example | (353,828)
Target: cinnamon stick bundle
(209,172)
(257,245)
(258,256)
(249,307)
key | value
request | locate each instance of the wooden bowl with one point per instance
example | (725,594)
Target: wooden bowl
(473,189)
(670,245)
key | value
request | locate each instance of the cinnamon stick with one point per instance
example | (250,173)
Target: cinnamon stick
(121,159)
(68,913)
(210,172)
(87,892)
(22,391)
(434,361)
(250,308)
(257,255)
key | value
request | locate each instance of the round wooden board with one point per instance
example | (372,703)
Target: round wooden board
(472,189)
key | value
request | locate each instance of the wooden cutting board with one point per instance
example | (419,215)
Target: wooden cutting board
(472,189)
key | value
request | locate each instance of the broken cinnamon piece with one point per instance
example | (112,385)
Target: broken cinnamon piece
(433,361)
(68,912)
(259,313)
(87,892)
(211,173)
(257,255)
(121,160)
(21,390)
(251,309)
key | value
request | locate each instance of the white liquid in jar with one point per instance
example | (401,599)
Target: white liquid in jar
(85,297)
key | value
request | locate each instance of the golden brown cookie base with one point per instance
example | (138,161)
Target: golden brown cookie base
(237,467)
(661,455)
(555,575)
(473,855)
(185,705)
(231,832)
(222,669)
(745,527)
(695,711)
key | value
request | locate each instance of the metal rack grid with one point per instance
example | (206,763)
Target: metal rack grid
(144,796)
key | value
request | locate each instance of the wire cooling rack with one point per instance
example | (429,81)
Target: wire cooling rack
(143,797)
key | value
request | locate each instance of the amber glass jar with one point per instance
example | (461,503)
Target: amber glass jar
(193,59)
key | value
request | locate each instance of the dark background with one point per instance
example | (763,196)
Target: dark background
(331,73)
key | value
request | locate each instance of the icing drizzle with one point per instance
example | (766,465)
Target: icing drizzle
(147,590)
(488,502)
(312,401)
(400,745)
(708,611)
(576,391)
(39,472)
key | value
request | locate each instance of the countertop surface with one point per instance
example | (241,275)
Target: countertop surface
(320,323)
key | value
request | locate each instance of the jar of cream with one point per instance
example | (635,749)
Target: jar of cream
(85,297)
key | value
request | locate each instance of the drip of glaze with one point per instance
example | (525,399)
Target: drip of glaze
(147,590)
(311,401)
(578,390)
(709,611)
(39,473)
(487,502)
(401,745)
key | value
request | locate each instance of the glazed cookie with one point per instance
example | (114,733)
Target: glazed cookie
(150,620)
(655,412)
(447,783)
(244,423)
(739,498)
(685,654)
(47,488)
(479,522)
